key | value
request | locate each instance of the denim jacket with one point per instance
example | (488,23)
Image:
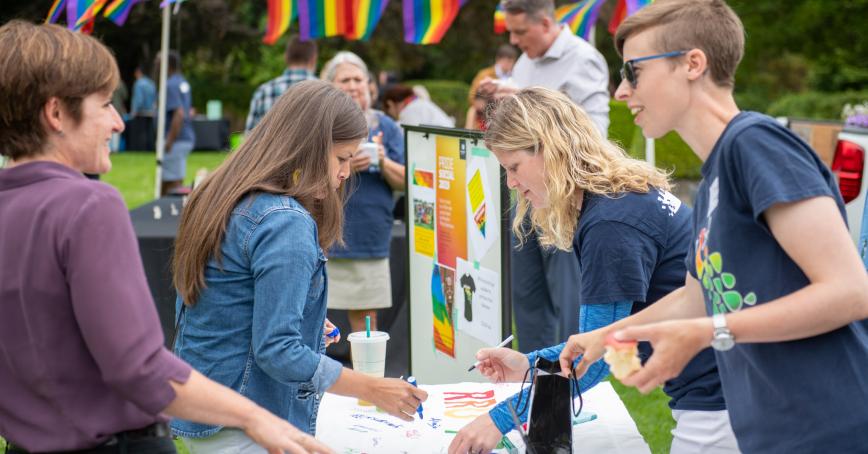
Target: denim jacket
(258,324)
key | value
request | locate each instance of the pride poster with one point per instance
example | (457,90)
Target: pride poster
(451,219)
(442,299)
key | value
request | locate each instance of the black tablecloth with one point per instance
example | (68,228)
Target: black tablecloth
(140,134)
(156,239)
(211,134)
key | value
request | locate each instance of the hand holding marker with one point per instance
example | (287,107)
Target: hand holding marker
(502,344)
(412,380)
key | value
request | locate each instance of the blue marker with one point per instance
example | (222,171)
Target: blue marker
(412,380)
(335,332)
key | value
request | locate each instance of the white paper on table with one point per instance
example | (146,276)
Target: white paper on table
(477,293)
(348,428)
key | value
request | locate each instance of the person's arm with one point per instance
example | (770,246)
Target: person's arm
(203,400)
(175,126)
(284,255)
(392,155)
(591,317)
(836,296)
(470,122)
(256,111)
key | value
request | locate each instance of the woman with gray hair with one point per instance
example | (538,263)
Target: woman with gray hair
(359,271)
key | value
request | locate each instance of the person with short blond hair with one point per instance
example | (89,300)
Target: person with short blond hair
(584,195)
(84,367)
(775,284)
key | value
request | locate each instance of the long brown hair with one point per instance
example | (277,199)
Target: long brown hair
(287,153)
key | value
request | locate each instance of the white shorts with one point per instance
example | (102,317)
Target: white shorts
(359,284)
(227,441)
(707,432)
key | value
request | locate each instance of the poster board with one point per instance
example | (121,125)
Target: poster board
(458,270)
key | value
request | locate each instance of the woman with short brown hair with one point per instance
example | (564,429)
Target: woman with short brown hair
(84,368)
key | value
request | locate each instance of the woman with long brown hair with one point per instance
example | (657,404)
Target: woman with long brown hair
(250,268)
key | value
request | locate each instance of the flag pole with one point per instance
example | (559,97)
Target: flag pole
(161,104)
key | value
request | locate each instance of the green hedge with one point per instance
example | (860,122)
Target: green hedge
(670,152)
(450,95)
(816,105)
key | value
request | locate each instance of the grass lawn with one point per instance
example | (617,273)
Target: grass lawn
(133,175)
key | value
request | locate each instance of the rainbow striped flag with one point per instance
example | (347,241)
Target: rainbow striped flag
(280,14)
(54,13)
(580,16)
(499,20)
(365,16)
(625,9)
(322,18)
(119,10)
(426,21)
(86,12)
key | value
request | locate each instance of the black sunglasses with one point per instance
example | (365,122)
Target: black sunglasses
(628,72)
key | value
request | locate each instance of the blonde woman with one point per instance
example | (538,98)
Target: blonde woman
(630,236)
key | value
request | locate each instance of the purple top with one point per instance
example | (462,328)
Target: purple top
(81,349)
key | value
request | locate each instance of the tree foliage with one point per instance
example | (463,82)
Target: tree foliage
(793,46)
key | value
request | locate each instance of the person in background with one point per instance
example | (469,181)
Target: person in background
(144,101)
(250,269)
(543,293)
(376,94)
(629,234)
(300,59)
(84,365)
(774,282)
(361,281)
(180,137)
(504,60)
(402,104)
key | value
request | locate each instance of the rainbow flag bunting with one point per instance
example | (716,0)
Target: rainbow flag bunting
(426,21)
(119,10)
(580,16)
(54,13)
(89,13)
(499,20)
(322,18)
(625,9)
(280,14)
(366,15)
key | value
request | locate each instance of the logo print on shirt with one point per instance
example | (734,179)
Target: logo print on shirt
(668,202)
(719,286)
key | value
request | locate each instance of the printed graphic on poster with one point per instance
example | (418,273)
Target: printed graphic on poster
(423,196)
(478,302)
(451,223)
(482,217)
(443,298)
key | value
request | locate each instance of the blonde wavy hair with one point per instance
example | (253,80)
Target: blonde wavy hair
(576,158)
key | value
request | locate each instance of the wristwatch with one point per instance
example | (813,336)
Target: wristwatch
(723,339)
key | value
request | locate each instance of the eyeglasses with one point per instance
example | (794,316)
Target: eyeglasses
(628,72)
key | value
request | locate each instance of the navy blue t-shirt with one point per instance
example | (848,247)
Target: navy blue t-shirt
(808,395)
(368,212)
(632,247)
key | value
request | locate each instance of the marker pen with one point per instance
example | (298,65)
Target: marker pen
(412,380)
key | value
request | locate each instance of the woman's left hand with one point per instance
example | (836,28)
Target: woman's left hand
(327,328)
(480,436)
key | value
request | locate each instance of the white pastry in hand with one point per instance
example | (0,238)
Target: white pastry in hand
(622,357)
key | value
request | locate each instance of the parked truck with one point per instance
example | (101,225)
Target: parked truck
(849,166)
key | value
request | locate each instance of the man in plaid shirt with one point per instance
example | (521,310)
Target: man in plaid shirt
(300,65)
